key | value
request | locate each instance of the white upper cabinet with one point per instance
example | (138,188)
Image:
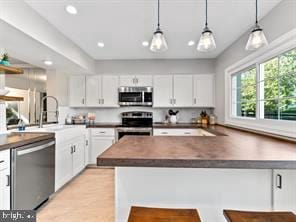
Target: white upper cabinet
(93,91)
(100,91)
(203,95)
(127,80)
(163,91)
(183,90)
(139,80)
(77,91)
(110,86)
(144,80)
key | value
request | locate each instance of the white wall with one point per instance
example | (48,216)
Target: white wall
(156,66)
(279,21)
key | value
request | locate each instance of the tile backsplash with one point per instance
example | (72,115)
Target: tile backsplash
(113,114)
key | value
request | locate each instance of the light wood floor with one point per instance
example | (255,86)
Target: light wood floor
(88,198)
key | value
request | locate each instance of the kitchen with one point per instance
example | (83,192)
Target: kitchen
(140,115)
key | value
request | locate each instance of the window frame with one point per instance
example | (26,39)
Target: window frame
(275,126)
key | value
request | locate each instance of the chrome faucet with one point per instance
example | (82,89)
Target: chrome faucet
(41,110)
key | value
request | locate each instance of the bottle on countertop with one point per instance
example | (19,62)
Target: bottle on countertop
(21,125)
(68,119)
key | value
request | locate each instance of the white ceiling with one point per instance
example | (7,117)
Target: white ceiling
(123,24)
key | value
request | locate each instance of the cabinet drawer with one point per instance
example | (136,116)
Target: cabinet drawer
(4,159)
(103,132)
(178,132)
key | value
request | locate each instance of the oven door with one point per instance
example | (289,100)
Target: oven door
(129,131)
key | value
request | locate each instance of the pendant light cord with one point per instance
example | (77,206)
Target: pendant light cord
(206,13)
(256,11)
(158,16)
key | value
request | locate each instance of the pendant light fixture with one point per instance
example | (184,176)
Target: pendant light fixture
(257,38)
(206,42)
(158,43)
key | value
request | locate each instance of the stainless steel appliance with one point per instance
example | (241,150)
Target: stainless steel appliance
(33,174)
(135,123)
(135,96)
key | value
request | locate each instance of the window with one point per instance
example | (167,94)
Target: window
(275,82)
(244,93)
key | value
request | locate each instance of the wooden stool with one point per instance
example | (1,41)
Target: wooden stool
(143,214)
(245,216)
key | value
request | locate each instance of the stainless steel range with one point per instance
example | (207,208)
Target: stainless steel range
(135,123)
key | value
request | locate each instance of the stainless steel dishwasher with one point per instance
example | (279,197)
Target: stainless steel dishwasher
(33,174)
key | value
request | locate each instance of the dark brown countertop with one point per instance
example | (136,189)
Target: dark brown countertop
(238,149)
(14,140)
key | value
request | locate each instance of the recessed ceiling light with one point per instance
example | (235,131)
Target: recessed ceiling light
(47,62)
(191,43)
(101,44)
(145,43)
(71,9)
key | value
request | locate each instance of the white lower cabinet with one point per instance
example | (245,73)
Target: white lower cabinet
(5,180)
(101,139)
(284,190)
(180,132)
(69,160)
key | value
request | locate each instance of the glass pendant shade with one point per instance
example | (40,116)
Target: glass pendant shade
(207,41)
(158,43)
(256,40)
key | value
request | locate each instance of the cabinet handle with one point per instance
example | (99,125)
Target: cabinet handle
(171,101)
(82,101)
(102,132)
(194,100)
(175,101)
(279,181)
(103,101)
(99,100)
(133,80)
(164,133)
(8,180)
(71,149)
(137,80)
(86,142)
(74,149)
(187,133)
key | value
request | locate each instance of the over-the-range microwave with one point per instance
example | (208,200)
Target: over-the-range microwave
(135,96)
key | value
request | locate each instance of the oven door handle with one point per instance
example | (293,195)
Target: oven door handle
(34,149)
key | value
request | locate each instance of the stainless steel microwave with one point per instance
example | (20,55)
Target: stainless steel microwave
(135,96)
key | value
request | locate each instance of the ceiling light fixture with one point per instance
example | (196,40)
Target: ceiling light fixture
(158,43)
(145,43)
(191,43)
(47,62)
(101,44)
(71,9)
(206,42)
(257,38)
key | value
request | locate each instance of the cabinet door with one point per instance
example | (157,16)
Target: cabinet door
(63,167)
(204,91)
(5,189)
(77,91)
(98,146)
(127,80)
(163,91)
(183,92)
(284,190)
(78,155)
(110,91)
(93,91)
(143,80)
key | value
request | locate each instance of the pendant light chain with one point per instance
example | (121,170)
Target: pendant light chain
(256,12)
(158,16)
(206,13)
